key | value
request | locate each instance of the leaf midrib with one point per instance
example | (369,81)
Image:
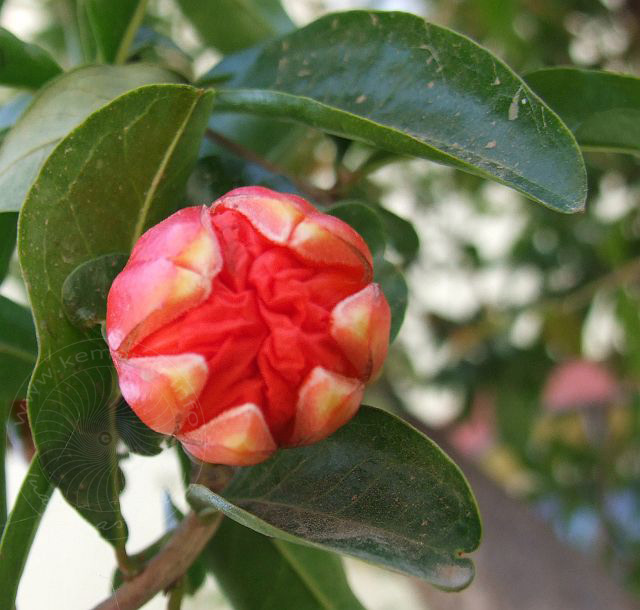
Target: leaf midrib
(157,177)
(306,510)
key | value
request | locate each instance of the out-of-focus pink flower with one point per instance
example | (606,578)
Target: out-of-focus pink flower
(248,325)
(578,384)
(476,434)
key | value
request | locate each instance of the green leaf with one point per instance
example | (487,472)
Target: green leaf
(3,471)
(365,221)
(377,489)
(155,48)
(23,64)
(135,434)
(120,172)
(395,289)
(8,227)
(20,530)
(56,110)
(400,233)
(245,22)
(602,109)
(260,573)
(114,24)
(85,290)
(394,81)
(17,351)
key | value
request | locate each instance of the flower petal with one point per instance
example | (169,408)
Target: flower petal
(324,240)
(186,238)
(237,437)
(162,389)
(347,233)
(360,325)
(272,214)
(147,295)
(326,401)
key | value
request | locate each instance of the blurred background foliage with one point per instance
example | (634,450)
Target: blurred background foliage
(522,337)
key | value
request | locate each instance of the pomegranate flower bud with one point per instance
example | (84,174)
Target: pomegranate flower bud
(248,325)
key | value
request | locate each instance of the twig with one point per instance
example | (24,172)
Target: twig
(471,335)
(320,195)
(168,566)
(618,277)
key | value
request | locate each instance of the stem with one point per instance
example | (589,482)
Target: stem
(126,565)
(129,35)
(175,596)
(487,327)
(348,179)
(247,154)
(168,566)
(618,277)
(20,530)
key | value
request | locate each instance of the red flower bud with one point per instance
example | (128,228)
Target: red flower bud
(246,326)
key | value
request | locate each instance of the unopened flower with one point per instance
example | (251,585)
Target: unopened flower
(248,325)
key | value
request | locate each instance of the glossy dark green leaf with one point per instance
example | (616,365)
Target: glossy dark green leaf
(18,351)
(135,434)
(601,108)
(401,234)
(114,24)
(121,171)
(23,64)
(365,221)
(8,227)
(59,107)
(257,133)
(20,530)
(401,84)
(395,289)
(232,25)
(260,573)
(377,489)
(85,290)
